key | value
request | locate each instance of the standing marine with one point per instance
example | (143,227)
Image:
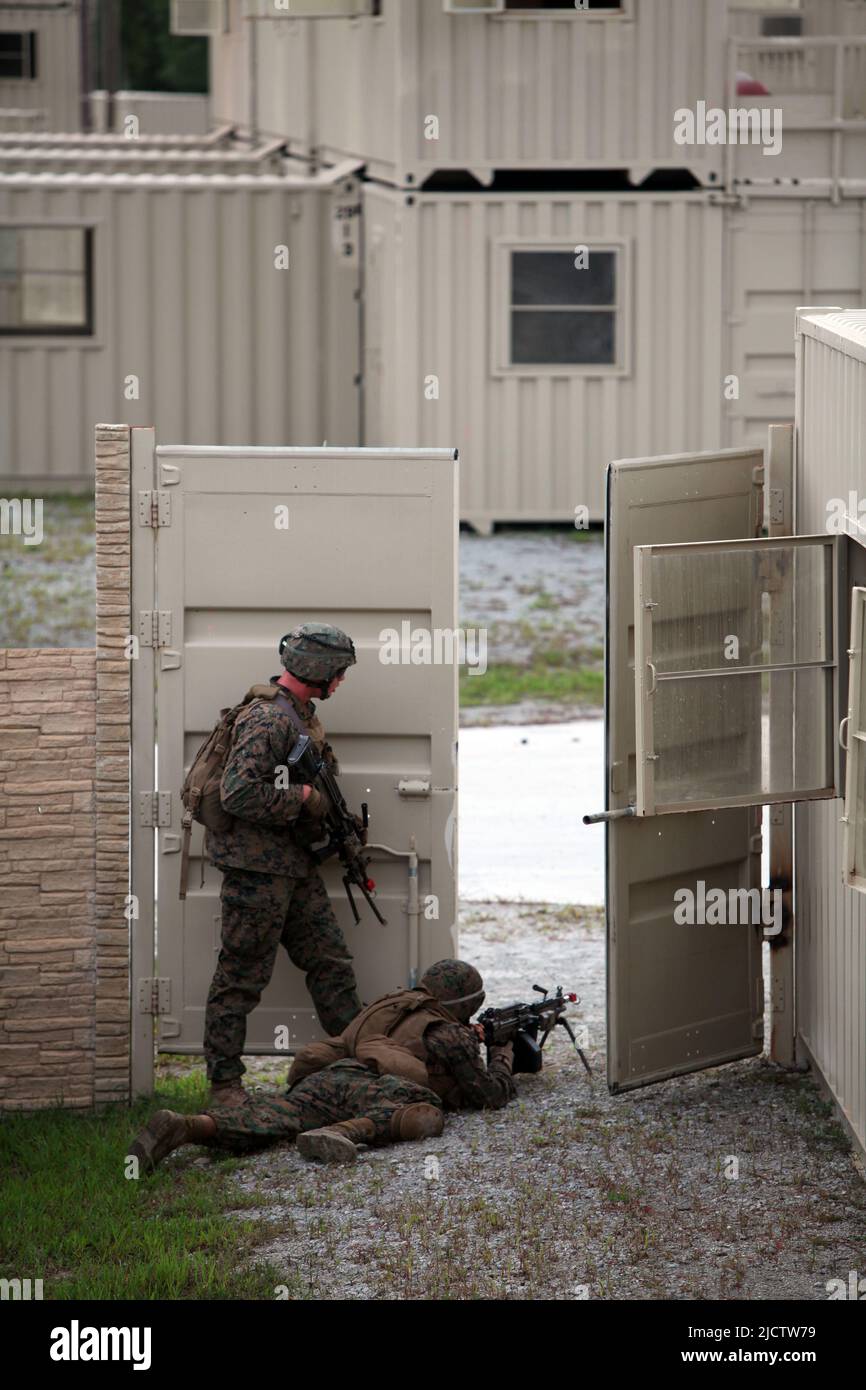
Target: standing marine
(272,890)
(402,1062)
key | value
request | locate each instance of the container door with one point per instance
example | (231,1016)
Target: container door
(679,997)
(250,543)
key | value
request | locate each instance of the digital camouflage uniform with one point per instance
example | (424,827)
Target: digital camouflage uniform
(272,891)
(436,1047)
(342,1091)
(387,1077)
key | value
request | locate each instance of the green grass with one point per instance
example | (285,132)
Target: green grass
(507,684)
(70,1217)
(48,591)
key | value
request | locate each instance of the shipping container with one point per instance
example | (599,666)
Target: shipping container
(783,249)
(830,913)
(450,332)
(222,306)
(424,85)
(40,83)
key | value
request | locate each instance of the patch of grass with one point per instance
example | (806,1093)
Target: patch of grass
(544,600)
(71,1217)
(48,591)
(508,684)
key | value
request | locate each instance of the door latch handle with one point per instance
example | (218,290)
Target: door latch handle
(843,732)
(651,687)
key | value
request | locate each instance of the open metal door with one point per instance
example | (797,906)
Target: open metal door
(250,542)
(680,997)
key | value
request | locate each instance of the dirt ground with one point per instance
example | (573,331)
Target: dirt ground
(570,1192)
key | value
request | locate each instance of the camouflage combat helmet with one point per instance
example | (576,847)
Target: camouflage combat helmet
(316,653)
(457,985)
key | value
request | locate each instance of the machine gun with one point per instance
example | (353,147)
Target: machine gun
(339,827)
(521,1024)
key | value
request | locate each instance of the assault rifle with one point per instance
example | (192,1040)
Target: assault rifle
(521,1024)
(339,828)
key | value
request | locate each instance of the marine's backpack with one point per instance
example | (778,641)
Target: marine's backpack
(200,793)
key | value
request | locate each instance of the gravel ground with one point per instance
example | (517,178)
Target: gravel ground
(539,594)
(570,1192)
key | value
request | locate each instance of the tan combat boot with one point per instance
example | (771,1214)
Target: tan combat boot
(228,1093)
(419,1121)
(337,1143)
(164,1132)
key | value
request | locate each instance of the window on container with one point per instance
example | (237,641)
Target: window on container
(17,55)
(562,315)
(588,5)
(734,673)
(781,26)
(45,280)
(502,6)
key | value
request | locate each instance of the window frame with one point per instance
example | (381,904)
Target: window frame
(501,364)
(30,49)
(645,798)
(624,11)
(55,333)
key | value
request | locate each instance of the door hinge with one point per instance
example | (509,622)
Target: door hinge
(154,808)
(154,628)
(154,508)
(413,788)
(154,995)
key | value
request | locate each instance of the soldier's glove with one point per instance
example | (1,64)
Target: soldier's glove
(316,804)
(360,828)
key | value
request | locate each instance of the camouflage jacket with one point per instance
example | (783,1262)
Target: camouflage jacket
(410,1034)
(457,1073)
(269,820)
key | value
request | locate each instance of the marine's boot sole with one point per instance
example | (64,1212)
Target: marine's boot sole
(164,1132)
(328,1145)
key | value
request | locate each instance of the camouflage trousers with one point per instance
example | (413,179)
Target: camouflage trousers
(342,1091)
(260,911)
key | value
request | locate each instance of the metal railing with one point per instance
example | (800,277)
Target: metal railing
(829,66)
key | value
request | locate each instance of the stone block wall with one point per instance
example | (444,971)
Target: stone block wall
(64,839)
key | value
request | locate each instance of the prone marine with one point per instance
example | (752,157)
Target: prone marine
(390,1076)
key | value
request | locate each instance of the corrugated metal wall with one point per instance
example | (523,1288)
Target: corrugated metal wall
(226,348)
(552,91)
(831,918)
(56,90)
(782,252)
(562,89)
(535,446)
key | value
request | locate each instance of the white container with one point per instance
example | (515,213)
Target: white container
(509,90)
(193,327)
(830,918)
(534,442)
